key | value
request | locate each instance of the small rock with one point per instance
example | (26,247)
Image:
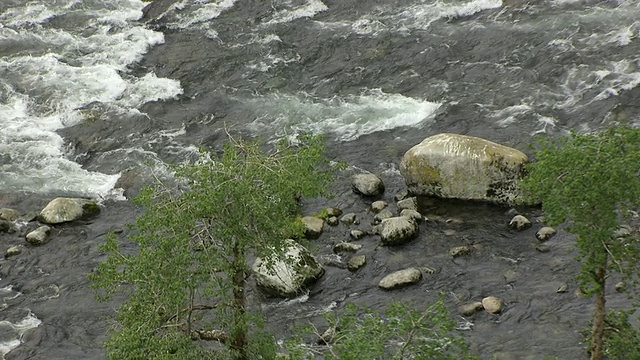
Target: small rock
(411,214)
(5,226)
(312,227)
(401,195)
(13,251)
(331,211)
(470,309)
(377,206)
(458,251)
(492,304)
(39,236)
(408,203)
(9,214)
(400,278)
(327,336)
(510,276)
(621,286)
(332,221)
(450,232)
(349,219)
(367,185)
(346,247)
(622,231)
(545,233)
(427,270)
(384,214)
(397,230)
(357,234)
(543,248)
(520,223)
(356,262)
(563,288)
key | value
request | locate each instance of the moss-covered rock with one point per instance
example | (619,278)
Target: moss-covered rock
(463,167)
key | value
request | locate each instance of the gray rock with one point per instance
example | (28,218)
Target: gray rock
(332,221)
(562,288)
(520,223)
(356,262)
(464,167)
(493,305)
(409,203)
(411,214)
(13,251)
(357,234)
(349,219)
(346,247)
(39,236)
(367,185)
(331,211)
(62,210)
(545,233)
(377,206)
(470,309)
(397,230)
(288,274)
(400,279)
(9,214)
(384,214)
(621,286)
(401,195)
(312,227)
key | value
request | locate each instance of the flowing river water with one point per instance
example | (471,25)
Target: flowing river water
(96,96)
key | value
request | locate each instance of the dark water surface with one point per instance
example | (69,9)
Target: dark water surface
(92,100)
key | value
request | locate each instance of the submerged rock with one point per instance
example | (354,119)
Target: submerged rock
(62,210)
(288,274)
(464,167)
(9,214)
(356,262)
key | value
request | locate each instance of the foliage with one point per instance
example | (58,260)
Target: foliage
(621,339)
(591,182)
(400,333)
(186,281)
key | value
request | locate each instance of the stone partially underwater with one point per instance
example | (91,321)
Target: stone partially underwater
(463,167)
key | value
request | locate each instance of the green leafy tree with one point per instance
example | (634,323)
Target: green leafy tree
(591,182)
(399,333)
(186,283)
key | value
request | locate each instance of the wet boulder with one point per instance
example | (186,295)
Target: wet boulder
(62,210)
(464,167)
(286,275)
(367,184)
(39,236)
(493,305)
(397,230)
(400,279)
(408,204)
(545,233)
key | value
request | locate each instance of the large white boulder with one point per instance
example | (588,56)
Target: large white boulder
(464,167)
(286,275)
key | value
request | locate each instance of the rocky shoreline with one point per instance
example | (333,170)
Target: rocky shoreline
(375,244)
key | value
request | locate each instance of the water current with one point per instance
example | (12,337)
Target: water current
(97,95)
